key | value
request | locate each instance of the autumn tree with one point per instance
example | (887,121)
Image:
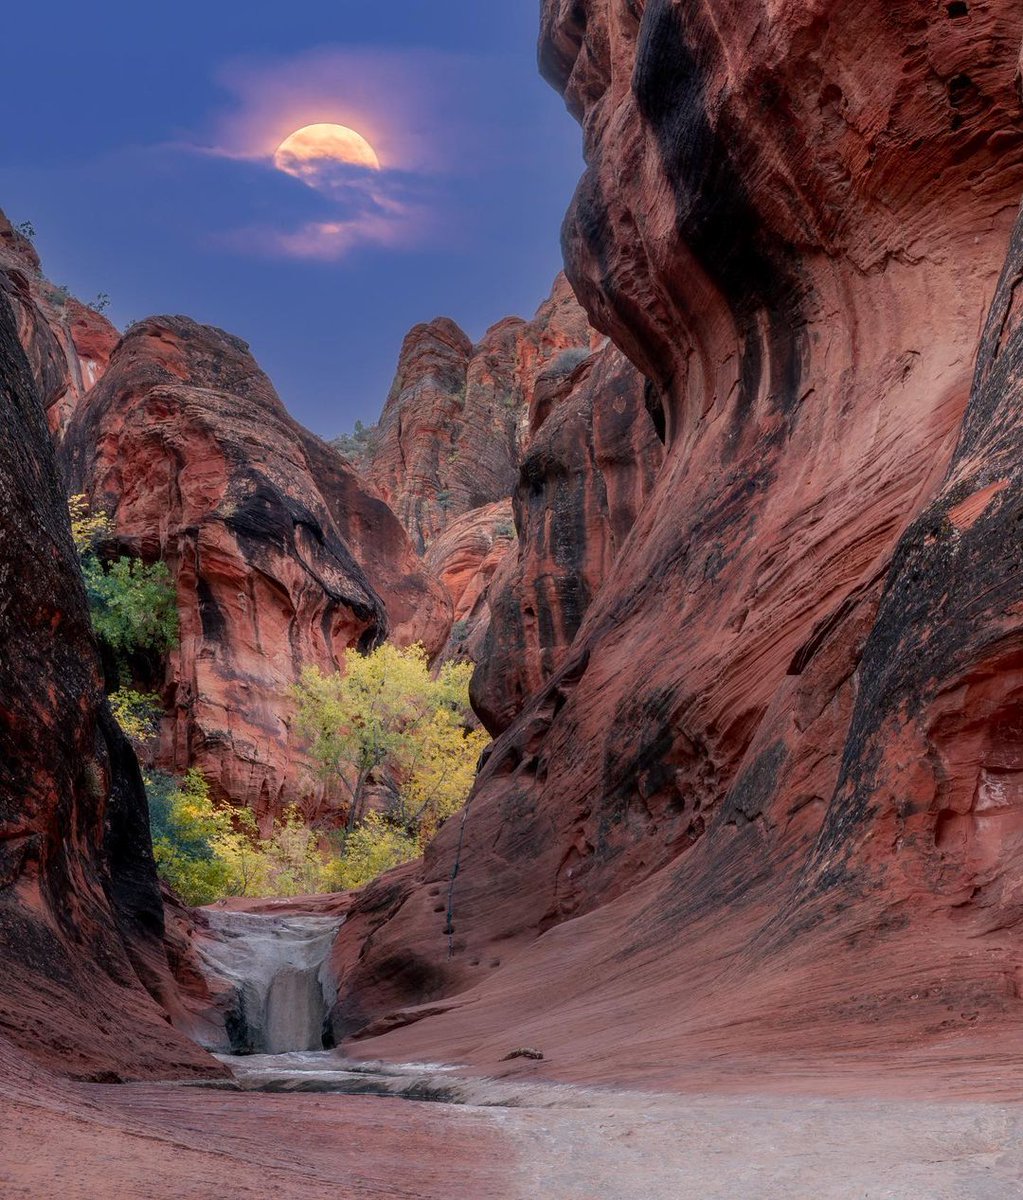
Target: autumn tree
(389,711)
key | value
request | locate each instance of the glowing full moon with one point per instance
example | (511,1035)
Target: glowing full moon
(309,150)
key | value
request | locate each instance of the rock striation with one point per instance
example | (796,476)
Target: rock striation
(451,433)
(765,814)
(587,469)
(280,556)
(81,921)
(465,558)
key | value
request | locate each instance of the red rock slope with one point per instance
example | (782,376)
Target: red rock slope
(281,557)
(450,434)
(765,820)
(80,916)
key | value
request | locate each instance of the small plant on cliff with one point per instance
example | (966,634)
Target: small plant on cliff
(26,229)
(388,713)
(132,603)
(357,446)
(101,303)
(567,361)
(459,632)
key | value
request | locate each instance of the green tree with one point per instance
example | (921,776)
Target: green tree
(132,603)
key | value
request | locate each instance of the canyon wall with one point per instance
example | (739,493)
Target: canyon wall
(765,815)
(81,923)
(281,558)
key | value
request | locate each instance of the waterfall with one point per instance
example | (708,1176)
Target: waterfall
(276,974)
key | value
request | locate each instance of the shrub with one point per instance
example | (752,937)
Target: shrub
(186,830)
(205,853)
(374,847)
(357,447)
(567,361)
(459,632)
(137,713)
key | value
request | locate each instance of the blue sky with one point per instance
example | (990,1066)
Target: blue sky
(138,141)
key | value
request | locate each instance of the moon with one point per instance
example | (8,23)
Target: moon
(308,151)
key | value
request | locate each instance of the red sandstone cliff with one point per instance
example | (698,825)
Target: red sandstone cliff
(281,557)
(450,435)
(766,814)
(67,343)
(465,558)
(81,921)
(587,469)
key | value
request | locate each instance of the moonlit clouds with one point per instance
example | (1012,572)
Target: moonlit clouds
(409,107)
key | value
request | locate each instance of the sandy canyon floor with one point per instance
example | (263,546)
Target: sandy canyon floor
(536,1141)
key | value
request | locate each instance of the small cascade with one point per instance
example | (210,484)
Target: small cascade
(277,969)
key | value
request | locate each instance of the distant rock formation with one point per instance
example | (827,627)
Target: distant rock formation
(587,470)
(465,558)
(282,558)
(451,433)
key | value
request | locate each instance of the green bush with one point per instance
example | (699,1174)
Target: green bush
(133,604)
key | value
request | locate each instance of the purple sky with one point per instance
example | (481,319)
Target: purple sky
(138,142)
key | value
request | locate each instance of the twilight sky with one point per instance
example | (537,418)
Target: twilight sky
(139,142)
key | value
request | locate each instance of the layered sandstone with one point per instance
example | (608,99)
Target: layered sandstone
(766,816)
(280,556)
(589,465)
(68,344)
(451,433)
(81,921)
(465,558)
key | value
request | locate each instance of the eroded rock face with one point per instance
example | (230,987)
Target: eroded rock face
(765,814)
(465,558)
(80,914)
(280,556)
(585,475)
(451,432)
(67,343)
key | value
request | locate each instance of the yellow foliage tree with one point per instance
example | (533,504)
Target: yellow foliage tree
(388,712)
